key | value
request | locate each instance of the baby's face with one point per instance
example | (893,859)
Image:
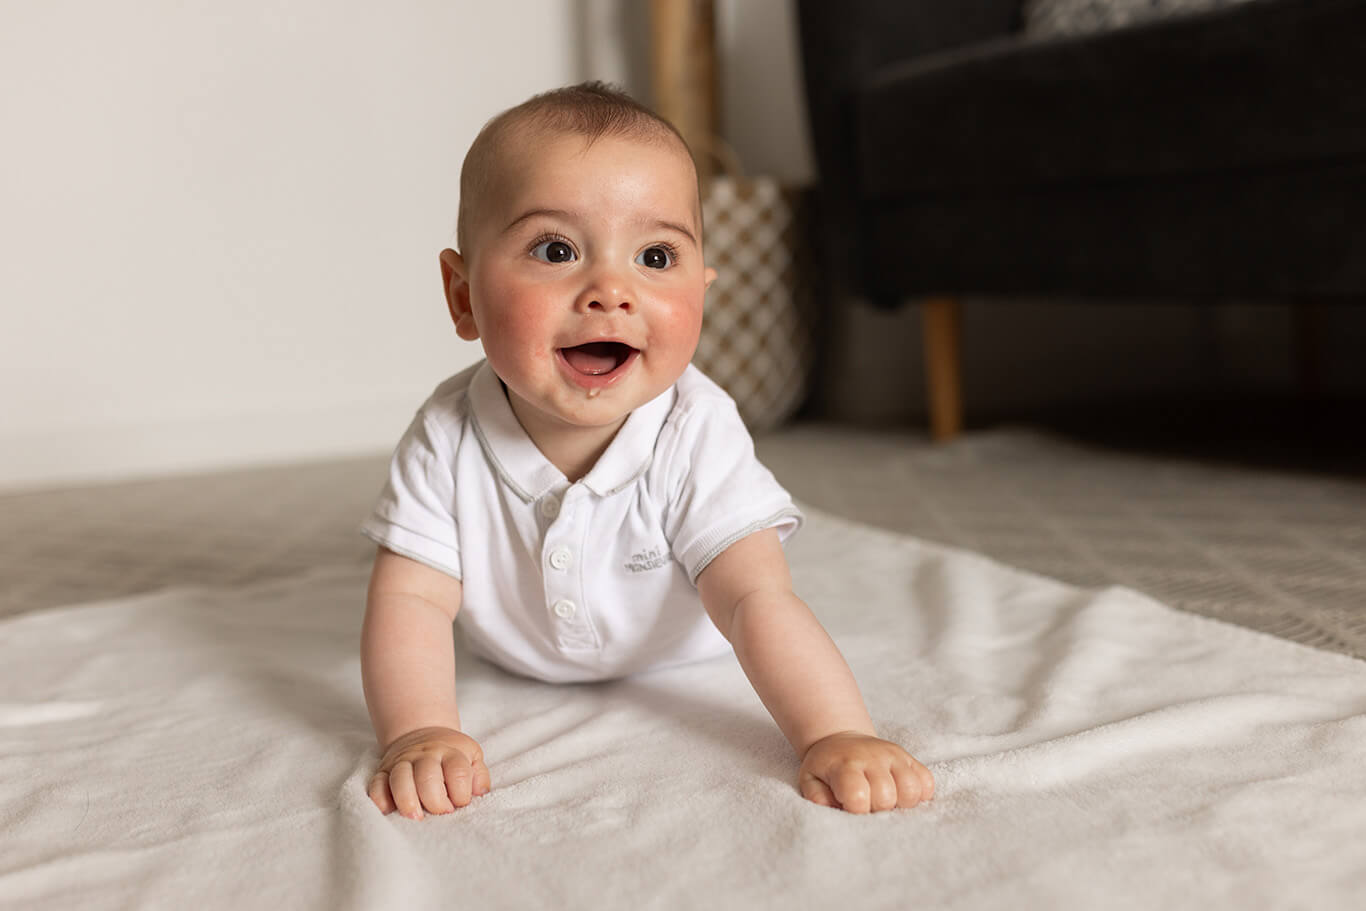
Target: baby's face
(585,277)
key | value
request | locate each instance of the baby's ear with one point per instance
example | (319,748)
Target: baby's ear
(455,283)
(708,277)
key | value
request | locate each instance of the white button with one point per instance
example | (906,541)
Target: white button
(550,507)
(560,557)
(564,609)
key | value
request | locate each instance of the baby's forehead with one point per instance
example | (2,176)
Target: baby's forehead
(503,172)
(537,149)
(530,145)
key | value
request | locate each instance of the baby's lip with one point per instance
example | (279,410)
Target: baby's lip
(597,363)
(600,339)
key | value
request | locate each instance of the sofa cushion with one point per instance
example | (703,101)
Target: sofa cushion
(1266,234)
(1258,85)
(1076,17)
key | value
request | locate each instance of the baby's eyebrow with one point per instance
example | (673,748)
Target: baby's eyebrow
(567,215)
(562,214)
(674,226)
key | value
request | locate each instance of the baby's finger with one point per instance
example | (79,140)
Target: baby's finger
(404,790)
(816,791)
(379,792)
(431,785)
(882,790)
(910,788)
(482,783)
(926,781)
(459,783)
(850,787)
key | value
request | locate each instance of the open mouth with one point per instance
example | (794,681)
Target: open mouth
(597,358)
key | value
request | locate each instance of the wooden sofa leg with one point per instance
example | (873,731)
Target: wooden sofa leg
(942,318)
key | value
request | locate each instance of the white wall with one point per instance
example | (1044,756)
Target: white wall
(219,222)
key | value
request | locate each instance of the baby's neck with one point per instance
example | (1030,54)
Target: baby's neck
(573,450)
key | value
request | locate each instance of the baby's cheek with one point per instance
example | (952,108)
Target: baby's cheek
(680,325)
(518,332)
(511,321)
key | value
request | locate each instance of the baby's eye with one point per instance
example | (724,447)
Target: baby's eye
(655,258)
(553,251)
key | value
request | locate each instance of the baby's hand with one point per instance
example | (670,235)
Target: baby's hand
(859,773)
(436,769)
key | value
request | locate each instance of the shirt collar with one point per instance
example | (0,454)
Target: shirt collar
(529,473)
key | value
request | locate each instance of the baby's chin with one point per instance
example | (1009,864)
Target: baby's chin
(569,409)
(599,408)
(591,413)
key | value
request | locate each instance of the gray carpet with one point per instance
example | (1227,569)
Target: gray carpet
(1279,551)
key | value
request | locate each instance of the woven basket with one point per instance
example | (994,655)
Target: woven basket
(757,325)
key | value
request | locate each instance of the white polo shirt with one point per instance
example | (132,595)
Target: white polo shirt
(586,581)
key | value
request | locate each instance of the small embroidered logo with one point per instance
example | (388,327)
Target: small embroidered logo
(647,560)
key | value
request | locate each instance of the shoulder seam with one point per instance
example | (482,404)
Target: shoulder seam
(455,404)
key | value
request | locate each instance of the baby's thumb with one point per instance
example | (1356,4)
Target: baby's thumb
(817,791)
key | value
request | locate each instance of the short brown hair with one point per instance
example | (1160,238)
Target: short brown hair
(590,109)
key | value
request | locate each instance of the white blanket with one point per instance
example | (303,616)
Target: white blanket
(209,749)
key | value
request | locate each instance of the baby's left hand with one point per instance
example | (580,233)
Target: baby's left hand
(861,774)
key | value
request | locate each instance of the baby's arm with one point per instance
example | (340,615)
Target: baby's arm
(408,668)
(805,683)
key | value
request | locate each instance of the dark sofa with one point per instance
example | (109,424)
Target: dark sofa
(1218,154)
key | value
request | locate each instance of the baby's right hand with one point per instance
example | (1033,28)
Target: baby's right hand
(436,769)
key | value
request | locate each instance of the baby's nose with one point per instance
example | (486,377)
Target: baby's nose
(606,297)
(606,303)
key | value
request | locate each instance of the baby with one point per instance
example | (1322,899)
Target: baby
(583,501)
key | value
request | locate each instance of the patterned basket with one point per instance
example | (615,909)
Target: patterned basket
(756,330)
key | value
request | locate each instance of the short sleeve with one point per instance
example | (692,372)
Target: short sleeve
(721,492)
(415,514)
